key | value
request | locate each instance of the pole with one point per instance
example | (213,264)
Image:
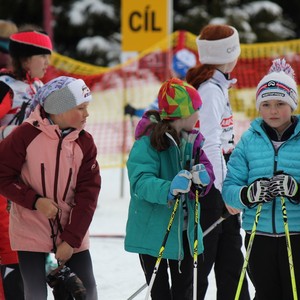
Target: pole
(249,248)
(206,232)
(162,248)
(289,248)
(196,222)
(47,22)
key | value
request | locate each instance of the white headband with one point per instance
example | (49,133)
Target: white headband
(218,52)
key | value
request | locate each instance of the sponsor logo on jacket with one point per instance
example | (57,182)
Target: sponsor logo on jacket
(226,122)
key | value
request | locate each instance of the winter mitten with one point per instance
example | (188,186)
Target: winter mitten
(200,176)
(284,185)
(256,192)
(181,183)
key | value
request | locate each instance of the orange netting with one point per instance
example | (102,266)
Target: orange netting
(138,80)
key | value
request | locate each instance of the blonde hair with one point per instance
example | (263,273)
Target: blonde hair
(7,28)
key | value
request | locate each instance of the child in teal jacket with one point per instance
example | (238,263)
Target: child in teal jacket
(264,169)
(167,161)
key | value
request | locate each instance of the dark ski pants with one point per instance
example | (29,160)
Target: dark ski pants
(32,266)
(268,267)
(222,250)
(12,282)
(181,279)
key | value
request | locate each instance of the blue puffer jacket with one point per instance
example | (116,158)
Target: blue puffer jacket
(150,174)
(255,157)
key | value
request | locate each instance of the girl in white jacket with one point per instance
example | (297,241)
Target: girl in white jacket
(219,49)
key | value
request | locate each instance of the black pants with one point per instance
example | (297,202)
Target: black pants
(222,250)
(181,279)
(12,282)
(32,266)
(269,269)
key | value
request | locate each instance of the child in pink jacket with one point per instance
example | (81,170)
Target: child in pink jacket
(48,169)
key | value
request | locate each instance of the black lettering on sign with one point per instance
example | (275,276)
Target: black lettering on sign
(144,21)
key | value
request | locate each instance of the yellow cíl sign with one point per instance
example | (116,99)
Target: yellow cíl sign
(144,23)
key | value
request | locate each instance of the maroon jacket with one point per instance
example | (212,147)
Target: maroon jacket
(35,159)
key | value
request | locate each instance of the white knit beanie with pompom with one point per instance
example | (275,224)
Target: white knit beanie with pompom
(278,84)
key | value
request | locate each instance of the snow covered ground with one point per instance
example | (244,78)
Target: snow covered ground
(118,273)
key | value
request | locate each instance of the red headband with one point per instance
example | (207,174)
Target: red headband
(33,38)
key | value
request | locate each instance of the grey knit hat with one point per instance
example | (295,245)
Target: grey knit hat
(62,94)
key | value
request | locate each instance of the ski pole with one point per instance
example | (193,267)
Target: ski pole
(289,248)
(162,248)
(249,248)
(225,215)
(196,222)
(137,292)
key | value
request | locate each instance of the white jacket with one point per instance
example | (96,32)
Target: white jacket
(216,122)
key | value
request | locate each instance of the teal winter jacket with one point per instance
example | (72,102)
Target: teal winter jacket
(150,174)
(255,157)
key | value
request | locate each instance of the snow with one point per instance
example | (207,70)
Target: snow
(80,11)
(118,273)
(89,44)
(85,11)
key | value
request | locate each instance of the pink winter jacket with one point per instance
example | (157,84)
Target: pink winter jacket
(36,160)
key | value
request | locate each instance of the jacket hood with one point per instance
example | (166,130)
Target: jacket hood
(38,119)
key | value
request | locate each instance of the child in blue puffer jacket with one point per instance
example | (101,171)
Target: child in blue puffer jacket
(167,161)
(264,170)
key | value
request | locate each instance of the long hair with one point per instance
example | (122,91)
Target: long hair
(200,73)
(157,131)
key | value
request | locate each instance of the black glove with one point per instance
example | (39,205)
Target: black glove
(129,110)
(284,185)
(257,192)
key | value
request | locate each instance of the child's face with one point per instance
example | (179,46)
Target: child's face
(231,66)
(188,124)
(37,65)
(73,118)
(276,114)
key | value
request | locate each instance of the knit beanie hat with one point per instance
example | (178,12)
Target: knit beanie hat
(29,43)
(62,94)
(219,52)
(177,99)
(278,84)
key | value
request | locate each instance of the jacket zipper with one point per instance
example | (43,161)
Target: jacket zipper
(57,167)
(43,179)
(68,184)
(275,169)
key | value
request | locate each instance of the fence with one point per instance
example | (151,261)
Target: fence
(137,82)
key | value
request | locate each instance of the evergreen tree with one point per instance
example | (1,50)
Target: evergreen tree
(89,30)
